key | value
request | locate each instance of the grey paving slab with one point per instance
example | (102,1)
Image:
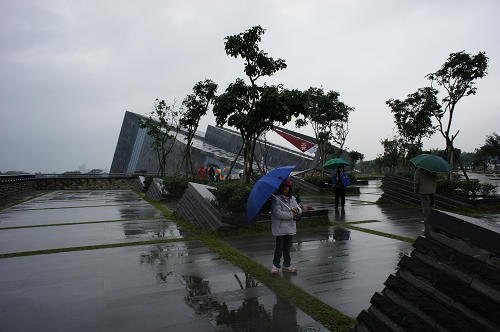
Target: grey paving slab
(179,286)
(12,218)
(28,239)
(404,227)
(342,273)
(60,199)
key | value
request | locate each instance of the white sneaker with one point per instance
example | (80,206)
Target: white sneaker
(290,269)
(275,270)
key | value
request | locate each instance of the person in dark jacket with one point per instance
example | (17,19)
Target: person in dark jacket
(340,181)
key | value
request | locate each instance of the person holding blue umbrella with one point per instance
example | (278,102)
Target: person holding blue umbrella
(284,212)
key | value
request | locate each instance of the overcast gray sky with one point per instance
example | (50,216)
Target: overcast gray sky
(70,69)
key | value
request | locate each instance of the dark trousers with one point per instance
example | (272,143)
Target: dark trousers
(339,196)
(427,205)
(282,248)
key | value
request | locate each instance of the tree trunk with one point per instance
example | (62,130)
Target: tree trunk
(234,162)
(462,168)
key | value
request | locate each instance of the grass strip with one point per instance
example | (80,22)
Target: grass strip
(360,201)
(388,235)
(76,223)
(336,223)
(23,200)
(93,247)
(75,207)
(331,318)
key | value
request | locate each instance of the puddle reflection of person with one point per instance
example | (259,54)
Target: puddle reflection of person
(284,314)
(340,216)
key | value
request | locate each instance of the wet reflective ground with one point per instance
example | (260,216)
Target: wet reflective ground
(179,286)
(40,238)
(342,267)
(53,214)
(182,285)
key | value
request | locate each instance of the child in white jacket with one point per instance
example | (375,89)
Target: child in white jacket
(284,209)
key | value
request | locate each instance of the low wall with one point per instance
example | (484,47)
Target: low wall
(13,186)
(83,183)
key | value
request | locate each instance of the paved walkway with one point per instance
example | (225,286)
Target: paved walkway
(180,285)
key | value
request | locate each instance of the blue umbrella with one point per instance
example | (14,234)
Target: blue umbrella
(264,188)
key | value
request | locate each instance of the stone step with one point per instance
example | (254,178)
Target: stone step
(451,281)
(374,320)
(462,257)
(405,319)
(444,316)
(453,284)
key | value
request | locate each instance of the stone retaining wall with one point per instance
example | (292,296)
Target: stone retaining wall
(400,190)
(11,187)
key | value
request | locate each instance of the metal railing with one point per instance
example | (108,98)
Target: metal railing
(29,177)
(16,178)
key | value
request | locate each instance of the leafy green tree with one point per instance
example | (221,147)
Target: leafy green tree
(251,108)
(355,156)
(467,159)
(162,126)
(457,76)
(490,150)
(413,118)
(196,105)
(328,117)
(393,155)
(492,146)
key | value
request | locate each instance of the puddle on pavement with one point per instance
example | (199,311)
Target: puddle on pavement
(247,313)
(339,234)
(240,302)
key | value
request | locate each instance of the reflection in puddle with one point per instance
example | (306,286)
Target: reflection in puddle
(250,316)
(243,305)
(155,229)
(199,296)
(339,234)
(159,255)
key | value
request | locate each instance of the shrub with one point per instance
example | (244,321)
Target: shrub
(147,182)
(232,196)
(470,189)
(488,189)
(177,185)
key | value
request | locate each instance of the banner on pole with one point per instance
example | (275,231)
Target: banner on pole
(300,143)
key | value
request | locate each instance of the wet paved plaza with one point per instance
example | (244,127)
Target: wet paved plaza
(180,285)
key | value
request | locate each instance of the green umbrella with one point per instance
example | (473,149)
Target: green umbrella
(431,162)
(334,163)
